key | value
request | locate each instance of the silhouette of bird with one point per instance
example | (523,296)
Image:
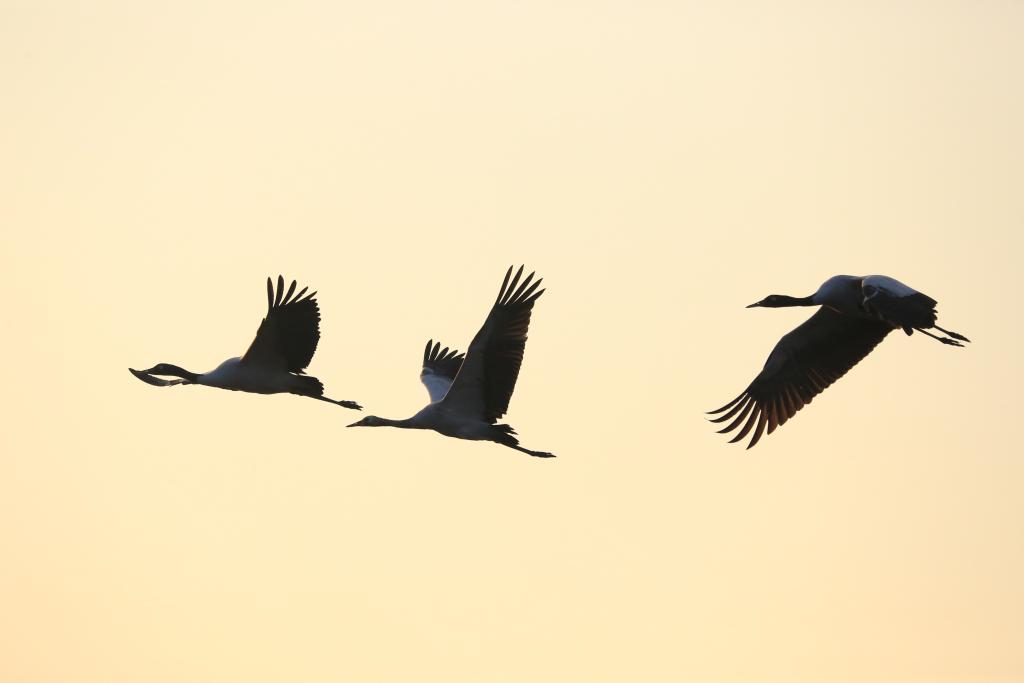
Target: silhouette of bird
(856,314)
(469,394)
(276,359)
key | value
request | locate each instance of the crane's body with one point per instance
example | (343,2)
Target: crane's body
(235,375)
(443,420)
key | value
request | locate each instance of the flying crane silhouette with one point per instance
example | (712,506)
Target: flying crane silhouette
(856,314)
(469,394)
(276,359)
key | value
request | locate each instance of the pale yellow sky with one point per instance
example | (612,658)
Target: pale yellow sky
(661,164)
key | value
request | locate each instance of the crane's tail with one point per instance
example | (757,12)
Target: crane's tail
(504,434)
(305,385)
(314,388)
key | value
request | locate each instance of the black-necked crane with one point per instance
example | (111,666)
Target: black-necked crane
(856,314)
(469,394)
(277,358)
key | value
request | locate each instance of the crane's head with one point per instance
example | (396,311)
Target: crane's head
(165,369)
(369,421)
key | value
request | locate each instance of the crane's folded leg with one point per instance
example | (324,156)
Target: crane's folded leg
(536,454)
(344,404)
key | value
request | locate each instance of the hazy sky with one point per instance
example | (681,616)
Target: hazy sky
(661,164)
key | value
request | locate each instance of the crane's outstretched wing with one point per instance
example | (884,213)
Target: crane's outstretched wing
(288,336)
(803,364)
(484,385)
(439,369)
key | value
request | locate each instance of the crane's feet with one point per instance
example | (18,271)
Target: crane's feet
(349,404)
(954,335)
(945,340)
(541,454)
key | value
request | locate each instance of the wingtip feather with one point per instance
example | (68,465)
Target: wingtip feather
(291,290)
(504,284)
(512,286)
(280,291)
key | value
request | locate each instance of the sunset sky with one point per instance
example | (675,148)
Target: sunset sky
(661,165)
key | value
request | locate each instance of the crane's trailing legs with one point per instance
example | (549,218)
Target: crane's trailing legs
(536,454)
(945,340)
(344,404)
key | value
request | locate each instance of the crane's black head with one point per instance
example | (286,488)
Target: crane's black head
(164,369)
(781,301)
(369,421)
(167,370)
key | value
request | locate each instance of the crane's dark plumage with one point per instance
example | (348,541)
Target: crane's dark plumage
(907,313)
(802,365)
(496,352)
(442,362)
(288,336)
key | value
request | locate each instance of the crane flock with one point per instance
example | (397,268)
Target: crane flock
(470,392)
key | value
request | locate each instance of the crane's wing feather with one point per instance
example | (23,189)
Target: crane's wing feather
(488,375)
(287,337)
(901,305)
(804,363)
(439,369)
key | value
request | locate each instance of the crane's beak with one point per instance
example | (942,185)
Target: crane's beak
(354,424)
(755,305)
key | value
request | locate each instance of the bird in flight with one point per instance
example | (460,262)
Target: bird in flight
(856,314)
(277,358)
(468,394)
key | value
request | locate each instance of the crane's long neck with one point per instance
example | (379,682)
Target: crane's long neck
(175,371)
(408,423)
(797,300)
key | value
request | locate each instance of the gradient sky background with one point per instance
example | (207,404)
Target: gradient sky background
(661,164)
